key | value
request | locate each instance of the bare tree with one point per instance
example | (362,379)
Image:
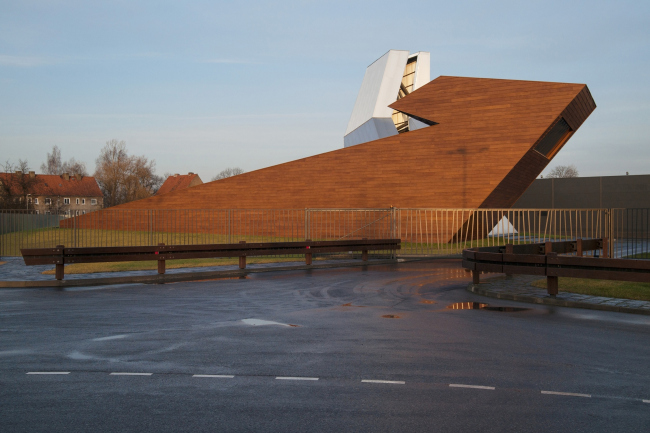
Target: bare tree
(53,164)
(123,178)
(228,172)
(16,185)
(563,171)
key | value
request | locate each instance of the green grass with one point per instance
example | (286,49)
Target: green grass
(610,289)
(91,268)
(11,243)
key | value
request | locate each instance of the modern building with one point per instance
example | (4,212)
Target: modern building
(52,194)
(179,181)
(478,143)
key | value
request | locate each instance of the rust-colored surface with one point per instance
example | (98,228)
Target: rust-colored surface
(479,154)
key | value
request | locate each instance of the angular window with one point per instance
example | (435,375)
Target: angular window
(93,201)
(551,142)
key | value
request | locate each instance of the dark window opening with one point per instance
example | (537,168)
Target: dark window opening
(553,138)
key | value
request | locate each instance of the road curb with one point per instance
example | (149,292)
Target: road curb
(483,291)
(180,277)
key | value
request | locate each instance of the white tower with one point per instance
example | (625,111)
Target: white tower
(389,78)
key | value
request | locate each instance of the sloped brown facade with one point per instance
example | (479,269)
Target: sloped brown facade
(488,141)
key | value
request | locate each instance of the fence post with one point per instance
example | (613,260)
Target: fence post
(364,253)
(161,262)
(59,270)
(476,277)
(605,248)
(242,258)
(579,247)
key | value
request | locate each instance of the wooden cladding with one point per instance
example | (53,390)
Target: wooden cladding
(479,152)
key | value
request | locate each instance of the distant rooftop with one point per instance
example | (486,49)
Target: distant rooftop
(179,181)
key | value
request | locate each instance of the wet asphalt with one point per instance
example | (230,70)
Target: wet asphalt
(371,349)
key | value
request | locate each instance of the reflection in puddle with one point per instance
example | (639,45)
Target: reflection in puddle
(390,316)
(427,301)
(349,304)
(479,306)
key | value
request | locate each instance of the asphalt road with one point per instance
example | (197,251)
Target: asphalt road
(204,366)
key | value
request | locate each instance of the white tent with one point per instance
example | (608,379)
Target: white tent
(503,228)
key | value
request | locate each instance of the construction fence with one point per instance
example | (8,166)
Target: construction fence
(423,232)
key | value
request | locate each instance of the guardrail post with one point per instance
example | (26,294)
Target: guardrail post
(605,248)
(308,255)
(364,253)
(476,277)
(579,247)
(242,259)
(510,249)
(161,262)
(59,271)
(551,281)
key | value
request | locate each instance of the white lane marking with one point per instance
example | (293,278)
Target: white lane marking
(646,401)
(394,382)
(112,337)
(130,374)
(48,372)
(570,394)
(460,385)
(222,376)
(295,378)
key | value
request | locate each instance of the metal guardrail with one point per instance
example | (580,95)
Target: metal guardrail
(543,259)
(60,255)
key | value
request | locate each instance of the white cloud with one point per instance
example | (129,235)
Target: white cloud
(22,61)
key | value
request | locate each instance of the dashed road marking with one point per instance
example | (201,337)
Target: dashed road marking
(295,378)
(220,376)
(48,372)
(460,385)
(646,401)
(130,374)
(570,394)
(394,382)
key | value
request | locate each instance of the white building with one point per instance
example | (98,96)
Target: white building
(391,77)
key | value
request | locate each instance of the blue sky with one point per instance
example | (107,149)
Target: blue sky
(200,86)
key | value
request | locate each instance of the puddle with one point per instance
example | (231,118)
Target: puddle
(390,316)
(260,322)
(427,301)
(349,304)
(480,306)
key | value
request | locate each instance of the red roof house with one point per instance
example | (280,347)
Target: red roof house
(179,181)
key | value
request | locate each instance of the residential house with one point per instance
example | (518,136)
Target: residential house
(55,194)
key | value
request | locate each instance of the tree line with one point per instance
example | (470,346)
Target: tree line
(121,177)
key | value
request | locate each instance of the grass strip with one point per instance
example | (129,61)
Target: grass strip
(91,268)
(607,288)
